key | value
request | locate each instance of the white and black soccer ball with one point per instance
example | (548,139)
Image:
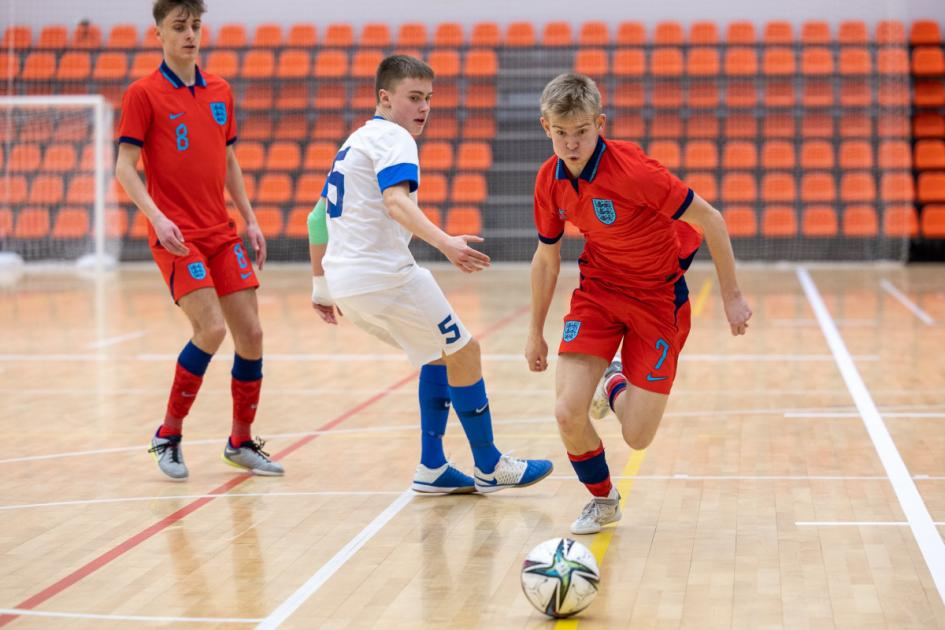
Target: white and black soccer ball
(560,577)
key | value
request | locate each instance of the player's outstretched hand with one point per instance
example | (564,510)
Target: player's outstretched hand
(327,313)
(322,301)
(464,257)
(738,314)
(170,237)
(536,353)
(258,243)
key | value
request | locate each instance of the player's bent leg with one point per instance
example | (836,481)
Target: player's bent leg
(640,412)
(611,384)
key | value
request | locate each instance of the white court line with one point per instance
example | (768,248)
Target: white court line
(891,289)
(177,497)
(857,523)
(296,599)
(67,615)
(853,414)
(917,514)
(114,341)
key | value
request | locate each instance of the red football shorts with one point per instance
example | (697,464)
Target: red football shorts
(653,327)
(217,259)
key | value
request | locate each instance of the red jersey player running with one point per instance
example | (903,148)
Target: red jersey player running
(639,223)
(182,122)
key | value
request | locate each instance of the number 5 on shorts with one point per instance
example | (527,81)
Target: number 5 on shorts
(449,327)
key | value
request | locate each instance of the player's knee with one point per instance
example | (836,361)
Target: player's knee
(637,438)
(252,337)
(571,419)
(211,333)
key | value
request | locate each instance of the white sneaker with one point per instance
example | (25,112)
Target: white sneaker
(446,479)
(600,404)
(597,513)
(512,473)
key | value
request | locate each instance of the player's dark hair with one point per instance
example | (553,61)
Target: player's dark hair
(396,68)
(162,8)
(570,93)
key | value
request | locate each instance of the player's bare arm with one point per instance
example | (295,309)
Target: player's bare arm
(126,172)
(406,212)
(322,302)
(702,215)
(237,190)
(546,264)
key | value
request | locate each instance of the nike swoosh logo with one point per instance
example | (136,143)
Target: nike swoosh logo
(652,378)
(246,275)
(481,409)
(175,116)
(187,395)
(485,482)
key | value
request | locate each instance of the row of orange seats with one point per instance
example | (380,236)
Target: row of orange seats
(816,221)
(742,61)
(333,127)
(79,65)
(60,157)
(855,187)
(516,34)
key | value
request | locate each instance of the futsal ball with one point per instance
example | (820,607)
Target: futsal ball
(560,577)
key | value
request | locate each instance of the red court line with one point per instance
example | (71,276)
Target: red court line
(220,490)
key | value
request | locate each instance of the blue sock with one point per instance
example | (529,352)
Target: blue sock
(434,396)
(472,407)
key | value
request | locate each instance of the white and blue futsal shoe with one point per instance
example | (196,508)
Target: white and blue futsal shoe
(445,479)
(513,473)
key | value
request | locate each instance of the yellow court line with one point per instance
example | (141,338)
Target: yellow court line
(602,540)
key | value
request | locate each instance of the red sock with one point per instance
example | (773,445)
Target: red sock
(183,393)
(245,400)
(614,386)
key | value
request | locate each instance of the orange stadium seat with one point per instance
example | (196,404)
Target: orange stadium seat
(256,127)
(779,222)
(293,64)
(251,155)
(302,36)
(339,36)
(449,35)
(741,33)
(817,154)
(329,127)
(857,186)
(296,225)
(852,32)
(270,220)
(929,154)
(897,186)
(893,125)
(702,126)
(668,34)
(224,63)
(308,188)
(742,94)
(479,127)
(860,221)
(929,94)
(412,35)
(468,188)
(856,93)
(59,158)
(894,154)
(258,96)
(86,36)
(9,66)
(463,220)
(441,126)
(819,221)
(433,213)
(150,40)
(703,34)
(445,63)
(778,187)
(267,36)
(231,36)
(332,64)
(110,66)
(556,34)
(258,64)
(855,61)
(364,64)
(71,223)
(46,190)
(739,187)
(594,33)
(17,37)
(631,34)
(739,155)
(666,152)
(87,163)
(74,66)
(81,190)
(32,223)
(818,93)
(741,220)
(629,62)
(815,32)
(703,184)
(629,94)
(628,126)
(778,32)
(433,190)
(740,62)
(436,156)
(24,158)
(292,128)
(667,95)
(485,34)
(700,154)
(928,61)
(703,62)
(481,63)
(931,187)
(143,64)
(446,95)
(665,125)
(319,156)
(779,126)
(900,220)
(274,188)
(592,62)
(928,125)
(778,61)
(817,125)
(363,96)
(818,187)
(666,62)
(53,38)
(37,130)
(375,35)
(13,189)
(139,226)
(39,66)
(283,156)
(816,61)
(933,221)
(892,61)
(925,32)
(856,154)
(519,34)
(474,156)
(779,94)
(330,95)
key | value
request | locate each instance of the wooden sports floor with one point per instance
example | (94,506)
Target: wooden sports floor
(797,481)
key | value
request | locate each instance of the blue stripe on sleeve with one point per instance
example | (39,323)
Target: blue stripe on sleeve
(685,205)
(550,241)
(130,140)
(231,140)
(397,173)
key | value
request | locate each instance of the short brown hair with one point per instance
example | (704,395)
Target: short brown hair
(397,68)
(570,93)
(163,7)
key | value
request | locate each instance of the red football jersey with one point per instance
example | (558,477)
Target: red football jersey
(626,205)
(183,133)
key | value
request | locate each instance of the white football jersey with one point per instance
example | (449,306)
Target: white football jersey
(367,250)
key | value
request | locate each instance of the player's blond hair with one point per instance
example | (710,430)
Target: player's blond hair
(568,94)
(162,8)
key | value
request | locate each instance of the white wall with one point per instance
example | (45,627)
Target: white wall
(108,12)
